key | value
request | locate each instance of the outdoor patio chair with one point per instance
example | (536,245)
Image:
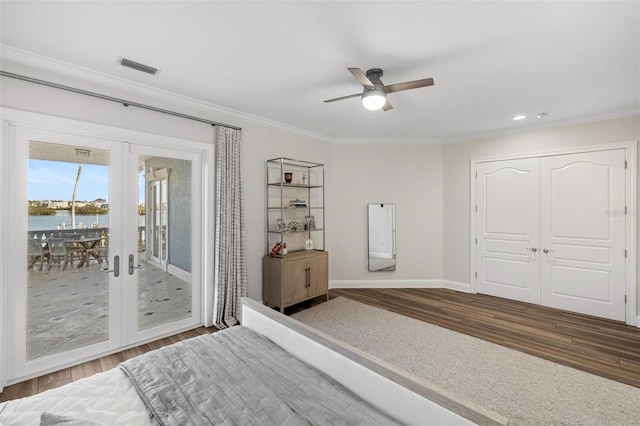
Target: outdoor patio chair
(36,252)
(58,248)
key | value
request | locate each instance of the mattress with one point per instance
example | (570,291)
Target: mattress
(108,398)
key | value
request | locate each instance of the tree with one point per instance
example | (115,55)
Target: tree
(73,198)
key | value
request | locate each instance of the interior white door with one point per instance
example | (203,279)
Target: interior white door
(583,233)
(507,229)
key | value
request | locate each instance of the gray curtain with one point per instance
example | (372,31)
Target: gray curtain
(230,251)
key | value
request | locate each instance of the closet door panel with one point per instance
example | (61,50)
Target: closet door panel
(507,225)
(583,233)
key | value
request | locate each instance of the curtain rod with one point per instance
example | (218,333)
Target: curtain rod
(112,99)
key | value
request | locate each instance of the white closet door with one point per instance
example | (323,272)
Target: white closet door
(583,233)
(507,229)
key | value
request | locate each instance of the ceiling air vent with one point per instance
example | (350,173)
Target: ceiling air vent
(138,66)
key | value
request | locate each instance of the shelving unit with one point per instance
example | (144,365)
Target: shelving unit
(281,217)
(295,218)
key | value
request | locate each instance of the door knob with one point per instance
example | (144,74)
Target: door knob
(533,249)
(547,251)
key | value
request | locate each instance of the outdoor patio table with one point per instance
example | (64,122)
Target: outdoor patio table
(87,243)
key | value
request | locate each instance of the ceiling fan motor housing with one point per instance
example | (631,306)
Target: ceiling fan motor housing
(374,75)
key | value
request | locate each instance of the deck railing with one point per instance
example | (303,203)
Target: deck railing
(142,234)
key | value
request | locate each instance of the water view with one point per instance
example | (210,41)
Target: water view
(62,220)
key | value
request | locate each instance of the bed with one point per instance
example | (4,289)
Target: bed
(269,370)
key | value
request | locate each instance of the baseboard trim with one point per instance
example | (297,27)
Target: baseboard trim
(385,283)
(456,285)
(453,285)
(180,273)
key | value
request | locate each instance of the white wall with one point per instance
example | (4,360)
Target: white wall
(456,175)
(409,176)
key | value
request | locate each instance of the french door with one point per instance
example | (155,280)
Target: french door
(551,231)
(158,221)
(82,280)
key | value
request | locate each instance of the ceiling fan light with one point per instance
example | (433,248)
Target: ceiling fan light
(374,99)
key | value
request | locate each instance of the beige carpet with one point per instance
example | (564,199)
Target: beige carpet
(521,387)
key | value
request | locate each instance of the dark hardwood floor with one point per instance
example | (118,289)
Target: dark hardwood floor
(606,348)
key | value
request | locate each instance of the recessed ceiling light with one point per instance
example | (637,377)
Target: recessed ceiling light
(541,115)
(519,117)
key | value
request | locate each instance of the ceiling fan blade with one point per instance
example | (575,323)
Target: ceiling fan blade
(344,97)
(361,77)
(387,106)
(408,85)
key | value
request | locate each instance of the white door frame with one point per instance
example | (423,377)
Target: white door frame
(13,119)
(630,219)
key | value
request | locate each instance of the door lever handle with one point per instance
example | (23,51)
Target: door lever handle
(533,249)
(116,267)
(131,267)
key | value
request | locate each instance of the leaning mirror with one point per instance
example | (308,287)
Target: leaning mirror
(382,237)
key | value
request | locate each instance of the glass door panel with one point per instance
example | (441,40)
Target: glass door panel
(63,307)
(67,245)
(164,215)
(164,264)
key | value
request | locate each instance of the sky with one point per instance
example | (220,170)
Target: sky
(54,180)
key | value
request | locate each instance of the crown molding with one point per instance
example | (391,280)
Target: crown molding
(220,113)
(65,69)
(388,141)
(552,124)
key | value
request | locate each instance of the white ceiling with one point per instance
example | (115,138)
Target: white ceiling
(575,60)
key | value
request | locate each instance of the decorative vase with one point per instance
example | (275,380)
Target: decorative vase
(288,177)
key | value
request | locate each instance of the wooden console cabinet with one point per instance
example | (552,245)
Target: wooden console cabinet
(295,277)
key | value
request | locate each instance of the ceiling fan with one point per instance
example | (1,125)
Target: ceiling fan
(374,95)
